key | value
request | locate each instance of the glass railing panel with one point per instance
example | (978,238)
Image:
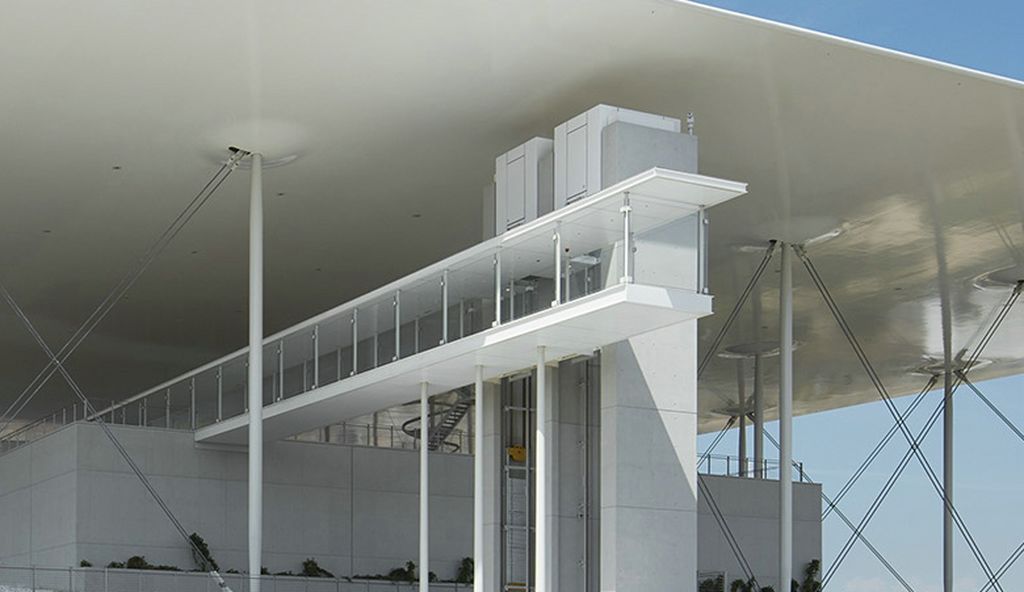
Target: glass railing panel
(385,345)
(207,385)
(234,377)
(527,277)
(422,313)
(333,335)
(471,290)
(374,323)
(154,409)
(591,256)
(273,378)
(667,254)
(329,344)
(181,405)
(299,362)
(130,414)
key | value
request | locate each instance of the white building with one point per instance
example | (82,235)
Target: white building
(518,379)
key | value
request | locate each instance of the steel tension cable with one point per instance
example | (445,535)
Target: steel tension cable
(115,295)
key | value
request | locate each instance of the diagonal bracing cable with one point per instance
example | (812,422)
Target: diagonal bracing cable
(197,552)
(831,503)
(1002,312)
(730,538)
(758,272)
(890,406)
(878,447)
(991,406)
(114,296)
(714,443)
(882,494)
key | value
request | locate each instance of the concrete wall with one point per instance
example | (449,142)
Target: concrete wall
(37,501)
(354,509)
(68,497)
(751,509)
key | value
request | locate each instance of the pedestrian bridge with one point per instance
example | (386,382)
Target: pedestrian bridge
(619,263)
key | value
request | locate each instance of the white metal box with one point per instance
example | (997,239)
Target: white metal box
(578,148)
(522,184)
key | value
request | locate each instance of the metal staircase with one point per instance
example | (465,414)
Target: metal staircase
(450,417)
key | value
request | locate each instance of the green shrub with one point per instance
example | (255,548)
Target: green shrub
(201,553)
(312,569)
(84,563)
(465,573)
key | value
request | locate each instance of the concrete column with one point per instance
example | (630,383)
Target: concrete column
(648,482)
(255,377)
(786,420)
(424,561)
(490,452)
(478,480)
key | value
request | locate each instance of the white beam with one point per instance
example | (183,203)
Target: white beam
(786,420)
(424,571)
(478,481)
(256,373)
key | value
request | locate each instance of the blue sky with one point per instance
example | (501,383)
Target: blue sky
(985,35)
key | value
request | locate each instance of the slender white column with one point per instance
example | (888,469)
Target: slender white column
(424,493)
(786,420)
(256,373)
(758,418)
(755,302)
(741,389)
(947,474)
(478,481)
(542,529)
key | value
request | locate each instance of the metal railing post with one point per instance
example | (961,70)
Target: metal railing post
(316,356)
(355,341)
(192,402)
(220,393)
(398,325)
(167,410)
(627,277)
(497,289)
(280,369)
(444,307)
(557,239)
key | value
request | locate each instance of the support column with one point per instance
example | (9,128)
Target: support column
(424,563)
(758,418)
(543,542)
(947,482)
(478,480)
(492,449)
(648,478)
(741,389)
(786,419)
(256,373)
